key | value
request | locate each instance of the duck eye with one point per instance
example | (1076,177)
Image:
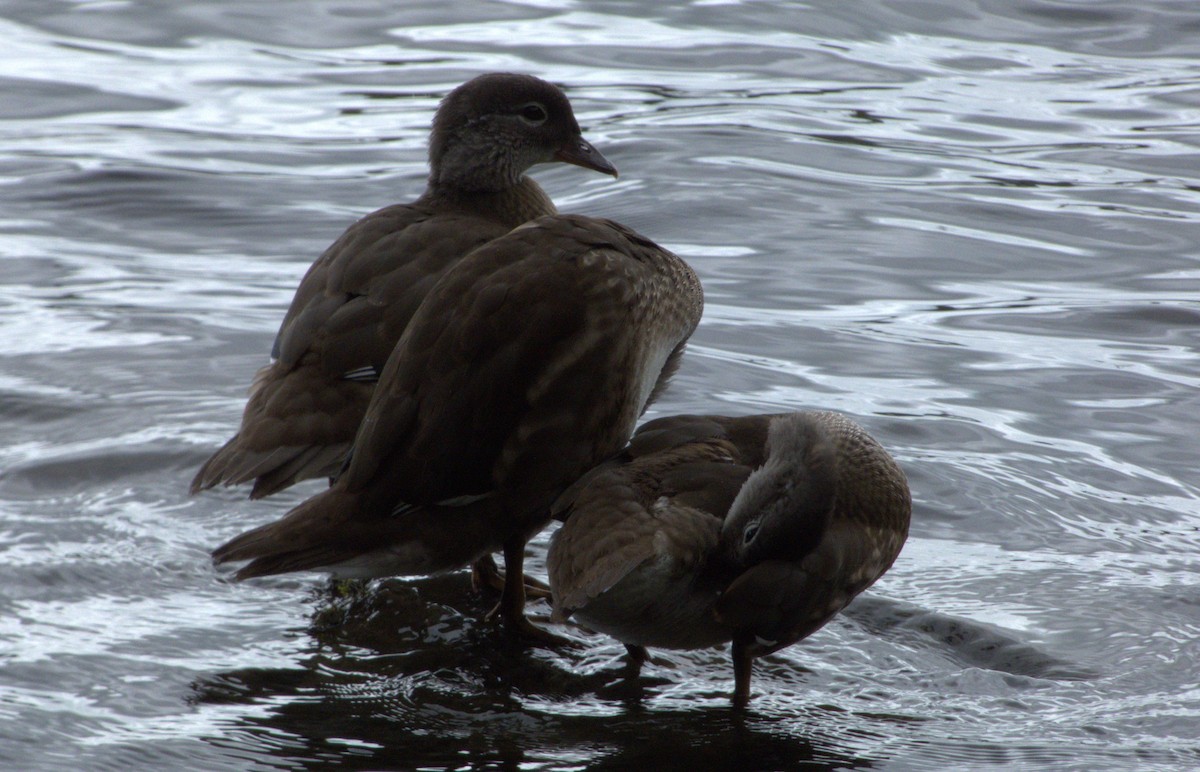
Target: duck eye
(749,534)
(533,113)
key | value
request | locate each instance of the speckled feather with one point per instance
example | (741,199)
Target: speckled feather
(528,363)
(652,548)
(358,297)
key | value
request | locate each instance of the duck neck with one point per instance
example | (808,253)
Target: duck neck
(512,205)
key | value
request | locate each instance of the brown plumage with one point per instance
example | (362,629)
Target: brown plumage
(358,297)
(754,530)
(527,364)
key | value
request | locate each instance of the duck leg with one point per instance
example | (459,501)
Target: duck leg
(637,656)
(485,575)
(742,663)
(511,608)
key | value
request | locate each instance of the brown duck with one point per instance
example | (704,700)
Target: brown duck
(755,530)
(358,297)
(527,364)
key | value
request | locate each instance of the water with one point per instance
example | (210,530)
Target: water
(971,226)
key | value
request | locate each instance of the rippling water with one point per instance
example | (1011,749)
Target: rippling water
(970,225)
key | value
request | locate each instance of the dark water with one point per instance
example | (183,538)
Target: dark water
(971,225)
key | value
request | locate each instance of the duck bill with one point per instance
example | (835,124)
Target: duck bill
(580,152)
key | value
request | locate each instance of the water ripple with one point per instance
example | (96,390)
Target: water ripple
(970,225)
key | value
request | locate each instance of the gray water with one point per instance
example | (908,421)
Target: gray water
(970,225)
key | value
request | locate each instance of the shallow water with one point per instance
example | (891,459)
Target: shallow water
(971,226)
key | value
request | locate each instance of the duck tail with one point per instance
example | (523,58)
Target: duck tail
(312,536)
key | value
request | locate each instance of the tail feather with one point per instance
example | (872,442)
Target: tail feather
(317,534)
(272,470)
(350,535)
(310,462)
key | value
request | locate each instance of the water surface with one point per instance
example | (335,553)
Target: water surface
(971,226)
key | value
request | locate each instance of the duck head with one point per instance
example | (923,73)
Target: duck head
(489,131)
(781,511)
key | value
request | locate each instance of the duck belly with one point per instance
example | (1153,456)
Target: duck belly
(650,607)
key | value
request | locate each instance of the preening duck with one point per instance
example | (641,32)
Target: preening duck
(709,529)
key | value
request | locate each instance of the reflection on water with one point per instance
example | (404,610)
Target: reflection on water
(400,669)
(971,226)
